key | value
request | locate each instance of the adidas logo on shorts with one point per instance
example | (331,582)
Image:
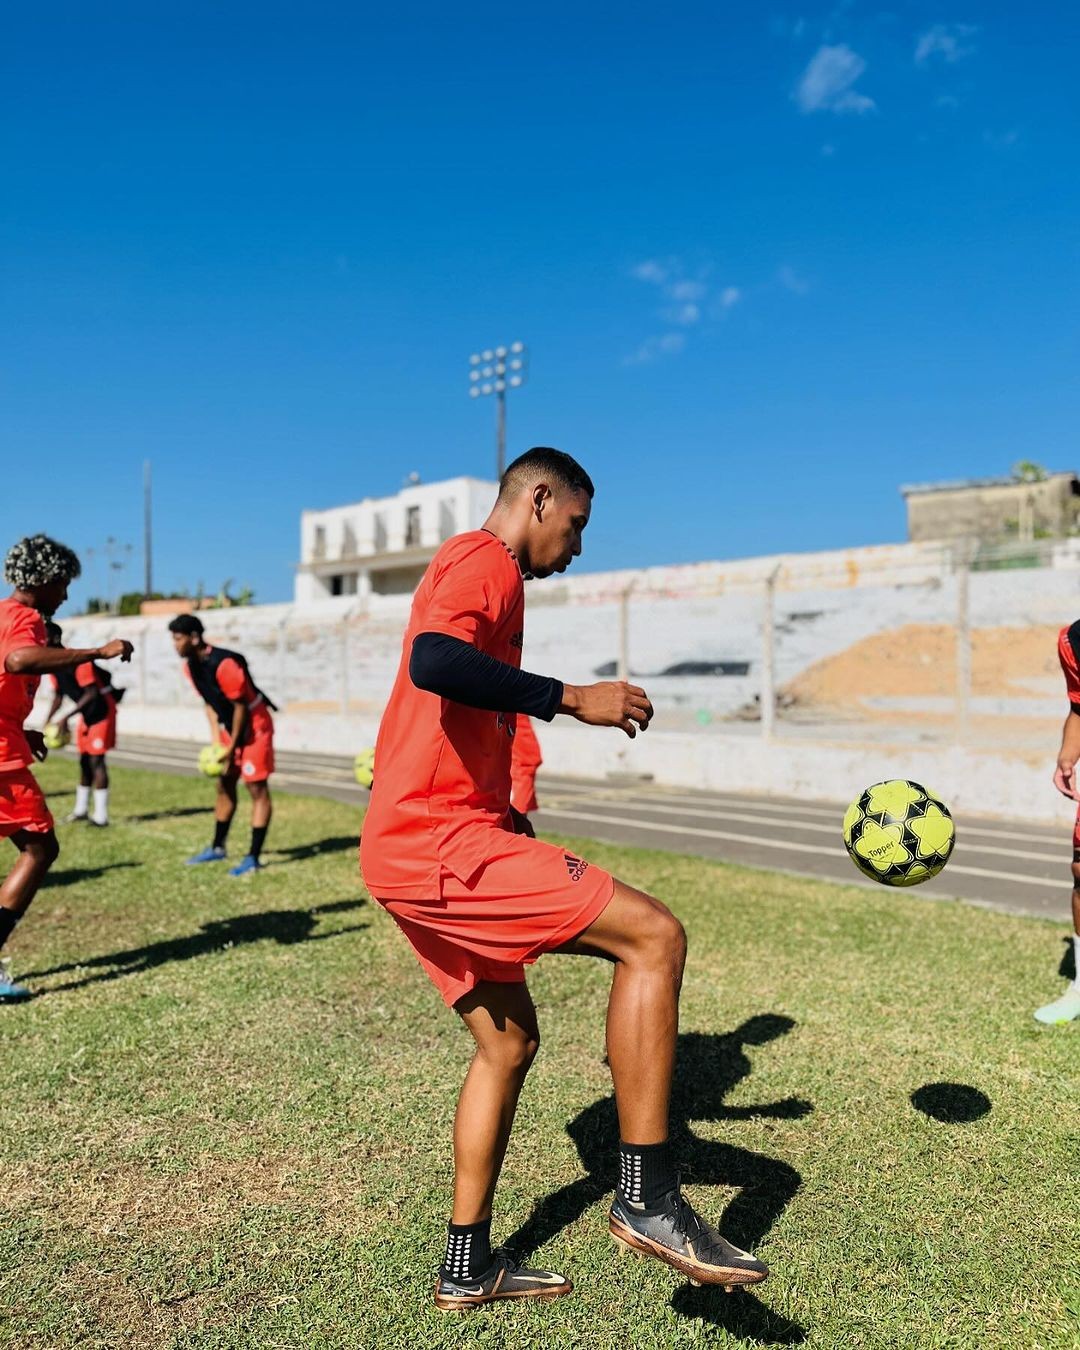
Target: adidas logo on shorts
(575,866)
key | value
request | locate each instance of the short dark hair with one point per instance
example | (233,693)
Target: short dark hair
(187,624)
(543,462)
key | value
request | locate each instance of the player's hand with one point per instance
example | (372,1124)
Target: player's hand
(117,647)
(38,748)
(611,703)
(521,823)
(1065,780)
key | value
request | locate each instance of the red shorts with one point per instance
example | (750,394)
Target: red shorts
(523,788)
(99,738)
(22,804)
(528,898)
(1076,836)
(254,762)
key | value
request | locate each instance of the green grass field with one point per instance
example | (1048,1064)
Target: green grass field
(226,1117)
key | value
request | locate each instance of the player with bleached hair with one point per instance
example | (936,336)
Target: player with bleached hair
(39,570)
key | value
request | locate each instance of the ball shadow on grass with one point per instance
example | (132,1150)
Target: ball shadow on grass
(951,1103)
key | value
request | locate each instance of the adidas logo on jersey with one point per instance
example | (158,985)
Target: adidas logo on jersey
(575,866)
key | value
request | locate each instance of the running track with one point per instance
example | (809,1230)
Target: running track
(1006,865)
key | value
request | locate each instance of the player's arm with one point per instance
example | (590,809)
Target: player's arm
(84,702)
(54,707)
(211,718)
(1065,772)
(44,660)
(239,722)
(454,669)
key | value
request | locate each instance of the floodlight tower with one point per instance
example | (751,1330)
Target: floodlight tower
(493,371)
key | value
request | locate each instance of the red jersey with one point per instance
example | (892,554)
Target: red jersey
(1069,656)
(236,683)
(20,626)
(443,785)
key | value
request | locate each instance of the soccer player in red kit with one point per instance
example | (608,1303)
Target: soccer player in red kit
(239,715)
(90,689)
(479,901)
(39,569)
(1067,1006)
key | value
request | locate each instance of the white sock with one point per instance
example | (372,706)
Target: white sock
(82,800)
(101,806)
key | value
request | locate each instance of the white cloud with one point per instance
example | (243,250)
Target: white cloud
(826,83)
(788,28)
(666,344)
(685,315)
(1001,140)
(791,281)
(947,40)
(730,295)
(650,270)
(687,290)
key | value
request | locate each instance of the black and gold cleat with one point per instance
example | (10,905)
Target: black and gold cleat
(676,1234)
(505,1279)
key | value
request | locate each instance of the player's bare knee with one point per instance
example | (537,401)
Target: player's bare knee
(513,1051)
(664,940)
(44,850)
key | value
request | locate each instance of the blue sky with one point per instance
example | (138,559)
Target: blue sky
(770,263)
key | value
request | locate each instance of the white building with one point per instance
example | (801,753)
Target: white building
(381,545)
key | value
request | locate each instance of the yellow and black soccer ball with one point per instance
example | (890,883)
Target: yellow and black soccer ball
(212,760)
(898,833)
(364,768)
(55,736)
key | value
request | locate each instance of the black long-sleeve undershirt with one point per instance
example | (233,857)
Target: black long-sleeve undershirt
(451,668)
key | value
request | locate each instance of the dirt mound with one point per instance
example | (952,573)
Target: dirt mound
(919,660)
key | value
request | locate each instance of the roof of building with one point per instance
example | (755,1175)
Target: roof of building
(966,484)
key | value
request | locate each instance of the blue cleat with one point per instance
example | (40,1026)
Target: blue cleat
(246,867)
(10,992)
(210,854)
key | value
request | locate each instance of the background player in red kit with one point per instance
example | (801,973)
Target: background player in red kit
(90,689)
(240,722)
(40,570)
(1067,1007)
(525,759)
(479,902)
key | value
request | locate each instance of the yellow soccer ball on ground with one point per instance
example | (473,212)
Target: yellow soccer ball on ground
(212,760)
(899,833)
(364,768)
(55,736)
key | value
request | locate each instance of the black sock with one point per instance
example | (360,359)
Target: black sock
(221,832)
(468,1250)
(8,920)
(258,838)
(646,1173)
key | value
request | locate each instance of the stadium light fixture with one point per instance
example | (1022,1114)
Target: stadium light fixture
(494,370)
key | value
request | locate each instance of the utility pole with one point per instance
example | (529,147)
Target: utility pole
(767,696)
(493,371)
(148,550)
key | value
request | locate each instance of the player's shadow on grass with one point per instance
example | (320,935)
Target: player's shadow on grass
(707,1069)
(284,926)
(338,844)
(169,814)
(71,876)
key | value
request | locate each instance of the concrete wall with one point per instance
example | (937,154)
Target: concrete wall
(330,666)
